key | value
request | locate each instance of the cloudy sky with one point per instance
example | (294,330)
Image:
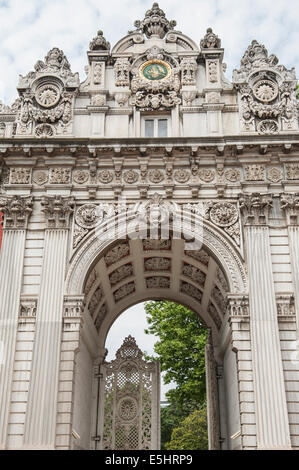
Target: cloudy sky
(29,28)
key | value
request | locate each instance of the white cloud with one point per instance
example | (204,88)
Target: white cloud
(29,29)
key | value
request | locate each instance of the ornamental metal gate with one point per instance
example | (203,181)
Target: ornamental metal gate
(130,401)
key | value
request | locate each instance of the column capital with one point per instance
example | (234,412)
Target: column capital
(255,208)
(58,211)
(238,308)
(286,307)
(73,307)
(289,204)
(16,210)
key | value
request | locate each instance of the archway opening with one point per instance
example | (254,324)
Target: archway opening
(131,271)
(171,333)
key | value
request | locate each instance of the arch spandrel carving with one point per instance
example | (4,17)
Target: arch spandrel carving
(218,244)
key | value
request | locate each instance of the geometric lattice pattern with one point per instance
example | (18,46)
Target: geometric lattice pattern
(130,401)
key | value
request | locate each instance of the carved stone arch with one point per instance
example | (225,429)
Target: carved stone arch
(185,301)
(127,42)
(168,57)
(216,241)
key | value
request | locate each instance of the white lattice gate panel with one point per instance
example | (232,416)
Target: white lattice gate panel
(130,401)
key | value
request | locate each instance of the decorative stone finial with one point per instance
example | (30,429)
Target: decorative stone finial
(99,43)
(210,41)
(256,56)
(155,23)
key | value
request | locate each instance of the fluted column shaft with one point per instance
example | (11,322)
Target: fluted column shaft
(40,424)
(270,396)
(42,401)
(11,268)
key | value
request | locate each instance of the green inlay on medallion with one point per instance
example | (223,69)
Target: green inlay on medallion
(155,71)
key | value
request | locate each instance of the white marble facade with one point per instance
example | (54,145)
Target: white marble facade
(156,128)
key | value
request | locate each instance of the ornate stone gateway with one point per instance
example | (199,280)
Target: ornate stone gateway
(156,177)
(130,401)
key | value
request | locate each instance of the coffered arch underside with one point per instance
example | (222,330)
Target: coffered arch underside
(113,275)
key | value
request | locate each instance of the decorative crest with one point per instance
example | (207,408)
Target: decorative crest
(256,56)
(129,349)
(99,43)
(210,41)
(155,23)
(55,61)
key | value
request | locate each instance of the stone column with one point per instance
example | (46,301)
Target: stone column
(290,205)
(40,422)
(16,212)
(70,342)
(212,395)
(272,424)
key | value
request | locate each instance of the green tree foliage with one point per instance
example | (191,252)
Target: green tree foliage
(171,417)
(180,350)
(191,434)
(297,92)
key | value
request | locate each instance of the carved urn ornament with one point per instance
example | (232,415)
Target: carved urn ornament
(155,24)
(99,43)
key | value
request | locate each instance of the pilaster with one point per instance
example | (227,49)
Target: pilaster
(239,321)
(40,425)
(16,212)
(70,341)
(269,390)
(290,206)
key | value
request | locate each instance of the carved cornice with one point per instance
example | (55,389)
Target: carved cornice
(289,204)
(255,208)
(58,211)
(16,210)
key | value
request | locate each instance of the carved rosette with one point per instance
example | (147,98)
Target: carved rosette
(58,211)
(226,216)
(16,210)
(255,208)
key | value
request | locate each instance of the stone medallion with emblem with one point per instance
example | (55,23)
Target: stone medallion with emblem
(155,70)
